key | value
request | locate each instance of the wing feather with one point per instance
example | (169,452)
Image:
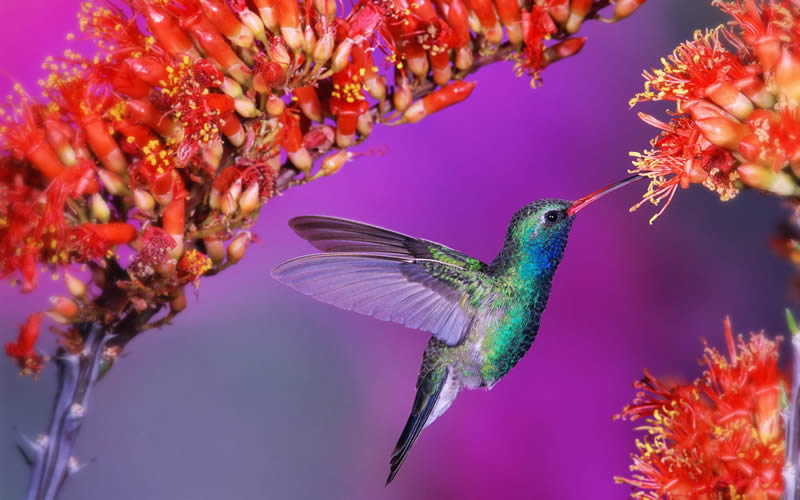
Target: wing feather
(387,287)
(336,235)
(386,275)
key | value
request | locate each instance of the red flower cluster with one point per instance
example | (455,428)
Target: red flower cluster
(193,113)
(737,95)
(719,438)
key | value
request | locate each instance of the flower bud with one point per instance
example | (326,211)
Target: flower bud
(64,306)
(100,209)
(301,159)
(238,246)
(275,106)
(341,56)
(443,73)
(246,108)
(309,39)
(231,88)
(250,199)
(474,22)
(578,9)
(418,64)
(344,140)
(402,94)
(494,34)
(364,124)
(437,100)
(75,286)
(215,249)
(269,15)
(214,198)
(230,201)
(252,21)
(728,97)
(112,182)
(323,48)
(767,179)
(334,162)
(723,132)
(144,201)
(293,37)
(564,49)
(326,8)
(376,87)
(464,58)
(624,8)
(278,51)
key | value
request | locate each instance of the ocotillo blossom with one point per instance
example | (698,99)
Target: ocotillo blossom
(193,113)
(720,437)
(736,119)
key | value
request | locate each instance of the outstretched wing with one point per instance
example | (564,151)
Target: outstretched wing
(335,235)
(387,275)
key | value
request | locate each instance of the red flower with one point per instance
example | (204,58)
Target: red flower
(537,25)
(348,102)
(719,438)
(192,265)
(22,135)
(682,155)
(736,91)
(22,351)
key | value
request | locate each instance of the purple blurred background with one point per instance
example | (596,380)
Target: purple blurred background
(259,392)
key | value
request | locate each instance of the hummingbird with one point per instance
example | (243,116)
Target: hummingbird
(483,318)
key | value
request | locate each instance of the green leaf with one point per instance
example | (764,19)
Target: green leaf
(790,321)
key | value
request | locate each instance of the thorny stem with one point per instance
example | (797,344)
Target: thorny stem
(50,455)
(791,469)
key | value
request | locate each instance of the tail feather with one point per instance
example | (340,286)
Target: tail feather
(427,395)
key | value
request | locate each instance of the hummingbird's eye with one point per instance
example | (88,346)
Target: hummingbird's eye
(551,216)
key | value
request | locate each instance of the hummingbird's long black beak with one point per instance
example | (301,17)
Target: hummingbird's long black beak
(581,203)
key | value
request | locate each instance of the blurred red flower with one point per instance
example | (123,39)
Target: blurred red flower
(720,437)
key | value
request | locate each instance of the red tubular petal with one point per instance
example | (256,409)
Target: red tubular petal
(166,29)
(113,233)
(447,96)
(148,69)
(222,17)
(173,218)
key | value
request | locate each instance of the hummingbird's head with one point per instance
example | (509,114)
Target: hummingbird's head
(540,229)
(542,219)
